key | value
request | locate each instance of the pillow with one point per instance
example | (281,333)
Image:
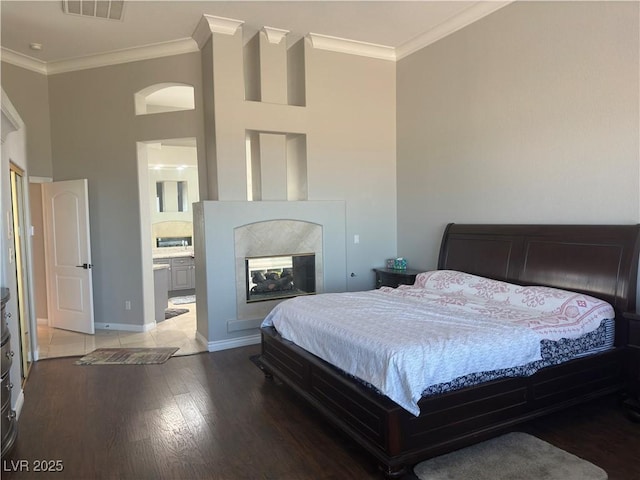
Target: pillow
(543,299)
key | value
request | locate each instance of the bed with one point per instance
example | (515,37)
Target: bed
(596,260)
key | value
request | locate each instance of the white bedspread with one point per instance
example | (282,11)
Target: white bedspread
(447,325)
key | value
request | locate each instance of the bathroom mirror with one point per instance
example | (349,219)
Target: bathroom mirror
(172,196)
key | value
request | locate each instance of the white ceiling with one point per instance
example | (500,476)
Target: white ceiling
(65,37)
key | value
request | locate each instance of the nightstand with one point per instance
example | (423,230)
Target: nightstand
(390,277)
(633,403)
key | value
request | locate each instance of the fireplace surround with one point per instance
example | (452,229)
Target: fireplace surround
(271,238)
(226,233)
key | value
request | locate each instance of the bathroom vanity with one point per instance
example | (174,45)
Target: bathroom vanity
(181,277)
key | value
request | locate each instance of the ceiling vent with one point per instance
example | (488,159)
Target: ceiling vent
(109,9)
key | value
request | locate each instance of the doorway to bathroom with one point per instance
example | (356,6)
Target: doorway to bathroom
(168,183)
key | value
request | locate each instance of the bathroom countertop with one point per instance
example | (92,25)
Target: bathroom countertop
(172,252)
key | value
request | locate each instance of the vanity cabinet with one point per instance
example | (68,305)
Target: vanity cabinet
(165,261)
(183,273)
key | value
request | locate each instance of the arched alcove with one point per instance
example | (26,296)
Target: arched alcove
(164,97)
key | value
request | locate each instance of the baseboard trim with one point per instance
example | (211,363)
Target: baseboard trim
(42,321)
(202,339)
(238,325)
(125,327)
(19,403)
(219,345)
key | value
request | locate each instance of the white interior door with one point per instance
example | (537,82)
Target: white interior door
(68,255)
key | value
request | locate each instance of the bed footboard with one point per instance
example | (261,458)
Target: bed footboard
(398,439)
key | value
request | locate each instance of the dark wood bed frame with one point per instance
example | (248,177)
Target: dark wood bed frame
(600,260)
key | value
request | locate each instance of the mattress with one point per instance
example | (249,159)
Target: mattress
(447,331)
(552,352)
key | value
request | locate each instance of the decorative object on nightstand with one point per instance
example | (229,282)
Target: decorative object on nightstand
(633,402)
(391,277)
(400,263)
(396,263)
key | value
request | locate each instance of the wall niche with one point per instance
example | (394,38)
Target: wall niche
(274,70)
(164,97)
(276,166)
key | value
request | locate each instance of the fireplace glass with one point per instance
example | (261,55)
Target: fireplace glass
(281,276)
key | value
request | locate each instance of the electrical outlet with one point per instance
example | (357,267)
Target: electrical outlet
(127,305)
(356,239)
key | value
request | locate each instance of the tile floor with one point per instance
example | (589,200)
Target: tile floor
(174,332)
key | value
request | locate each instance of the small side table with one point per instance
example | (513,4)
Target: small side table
(390,277)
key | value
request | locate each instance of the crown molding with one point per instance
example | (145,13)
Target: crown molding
(24,61)
(226,26)
(202,32)
(449,26)
(275,35)
(353,47)
(147,52)
(11,120)
(209,24)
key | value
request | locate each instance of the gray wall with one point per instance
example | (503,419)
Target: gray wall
(350,152)
(37,250)
(527,116)
(29,93)
(350,126)
(94,133)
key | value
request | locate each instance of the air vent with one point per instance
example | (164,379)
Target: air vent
(109,9)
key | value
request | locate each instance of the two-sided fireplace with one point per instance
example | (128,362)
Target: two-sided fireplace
(281,276)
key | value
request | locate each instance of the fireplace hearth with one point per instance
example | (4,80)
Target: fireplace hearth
(280,276)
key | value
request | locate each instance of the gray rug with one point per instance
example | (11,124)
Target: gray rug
(127,356)
(174,312)
(183,300)
(514,456)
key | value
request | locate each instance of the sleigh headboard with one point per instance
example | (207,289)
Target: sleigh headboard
(599,260)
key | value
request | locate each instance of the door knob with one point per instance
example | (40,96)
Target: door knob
(86,266)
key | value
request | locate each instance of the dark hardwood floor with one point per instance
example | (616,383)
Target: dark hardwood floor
(215,416)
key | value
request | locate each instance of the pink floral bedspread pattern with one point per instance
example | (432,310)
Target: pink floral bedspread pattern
(552,313)
(447,325)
